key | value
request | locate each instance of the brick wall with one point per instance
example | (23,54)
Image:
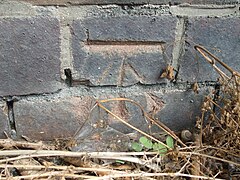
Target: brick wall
(57,57)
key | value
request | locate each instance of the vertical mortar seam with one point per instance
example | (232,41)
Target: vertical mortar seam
(179,43)
(66,58)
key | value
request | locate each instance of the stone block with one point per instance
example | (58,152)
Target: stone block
(51,119)
(178,110)
(29,56)
(220,36)
(121,50)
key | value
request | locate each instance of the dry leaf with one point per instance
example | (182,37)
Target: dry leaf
(168,73)
(26,171)
(195,87)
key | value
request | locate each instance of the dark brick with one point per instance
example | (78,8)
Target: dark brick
(121,50)
(47,120)
(105,140)
(181,109)
(4,125)
(132,2)
(220,36)
(128,28)
(29,56)
(177,110)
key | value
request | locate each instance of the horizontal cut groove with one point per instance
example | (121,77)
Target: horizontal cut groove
(123,48)
(127,43)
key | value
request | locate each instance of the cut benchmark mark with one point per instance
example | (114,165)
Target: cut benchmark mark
(123,47)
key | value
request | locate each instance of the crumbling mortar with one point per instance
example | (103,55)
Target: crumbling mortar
(98,91)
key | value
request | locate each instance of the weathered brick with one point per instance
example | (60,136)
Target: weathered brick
(4,125)
(121,50)
(220,36)
(47,120)
(177,110)
(29,56)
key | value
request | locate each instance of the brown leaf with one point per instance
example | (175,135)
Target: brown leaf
(195,87)
(26,171)
(168,73)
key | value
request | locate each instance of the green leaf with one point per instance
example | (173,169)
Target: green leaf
(146,142)
(120,161)
(160,148)
(170,142)
(136,146)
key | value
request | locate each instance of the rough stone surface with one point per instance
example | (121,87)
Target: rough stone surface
(203,11)
(104,48)
(169,107)
(181,109)
(177,110)
(220,36)
(29,56)
(11,8)
(4,125)
(121,50)
(47,120)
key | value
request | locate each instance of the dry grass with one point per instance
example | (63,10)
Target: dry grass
(213,154)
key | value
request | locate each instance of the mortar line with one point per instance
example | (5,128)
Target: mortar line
(178,46)
(65,46)
(179,42)
(98,91)
(204,10)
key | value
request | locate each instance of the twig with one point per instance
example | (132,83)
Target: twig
(211,157)
(125,156)
(224,150)
(154,174)
(205,53)
(157,123)
(71,154)
(183,167)
(79,129)
(51,174)
(131,126)
(9,143)
(71,168)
